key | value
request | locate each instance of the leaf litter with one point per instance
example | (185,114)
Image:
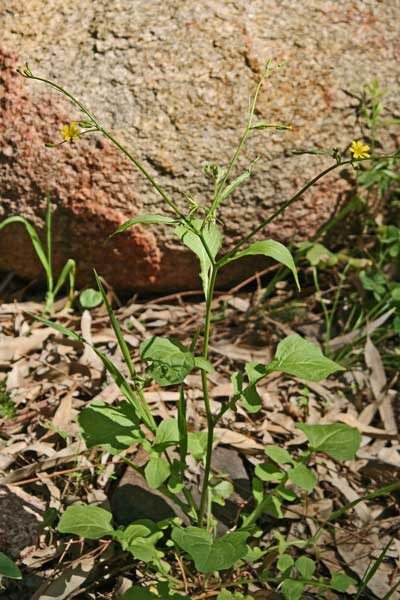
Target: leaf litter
(45,465)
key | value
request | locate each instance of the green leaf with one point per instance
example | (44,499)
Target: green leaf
(241,179)
(292,589)
(319,255)
(91,522)
(167,434)
(305,566)
(340,582)
(69,271)
(257,489)
(203,364)
(34,239)
(138,398)
(8,568)
(156,471)
(220,492)
(115,373)
(138,593)
(226,595)
(90,298)
(114,428)
(286,493)
(251,399)
(375,282)
(303,477)
(144,220)
(272,506)
(285,562)
(276,126)
(197,444)
(271,249)
(213,239)
(211,554)
(278,455)
(140,539)
(299,357)
(269,472)
(175,482)
(338,440)
(171,362)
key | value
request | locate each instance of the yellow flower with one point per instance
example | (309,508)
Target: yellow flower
(359,149)
(71,132)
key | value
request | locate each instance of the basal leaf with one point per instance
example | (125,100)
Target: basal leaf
(167,433)
(226,595)
(340,582)
(273,506)
(271,249)
(8,568)
(211,554)
(269,472)
(251,399)
(156,471)
(278,455)
(338,440)
(292,589)
(139,593)
(285,562)
(170,361)
(303,477)
(305,566)
(140,541)
(114,428)
(90,522)
(299,357)
(197,444)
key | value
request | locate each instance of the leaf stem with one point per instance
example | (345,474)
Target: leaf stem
(207,405)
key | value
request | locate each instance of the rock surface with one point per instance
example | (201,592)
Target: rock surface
(172,80)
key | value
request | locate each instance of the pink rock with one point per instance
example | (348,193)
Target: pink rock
(172,82)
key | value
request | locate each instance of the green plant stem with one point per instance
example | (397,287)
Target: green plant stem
(279,211)
(112,139)
(221,186)
(68,95)
(286,205)
(327,316)
(141,168)
(206,398)
(49,270)
(186,491)
(251,518)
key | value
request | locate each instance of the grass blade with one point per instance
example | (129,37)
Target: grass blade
(370,572)
(391,591)
(115,373)
(68,271)
(34,238)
